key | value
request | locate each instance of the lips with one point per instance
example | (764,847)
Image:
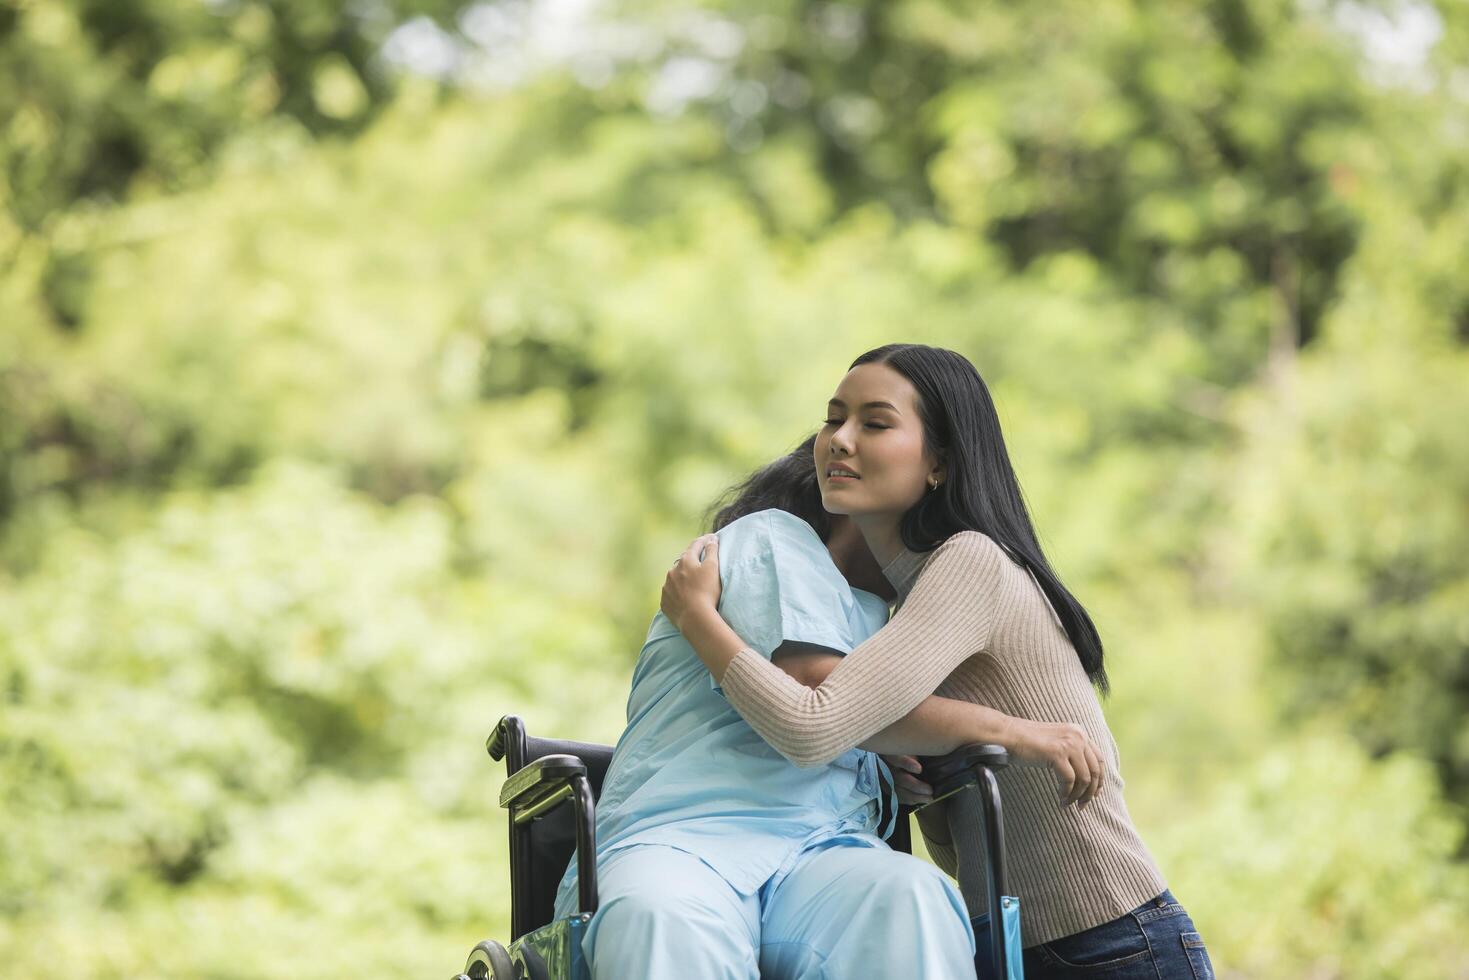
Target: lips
(837,471)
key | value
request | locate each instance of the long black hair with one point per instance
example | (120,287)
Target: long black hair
(788,484)
(980,491)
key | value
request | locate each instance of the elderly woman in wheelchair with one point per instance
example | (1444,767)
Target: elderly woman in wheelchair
(701,852)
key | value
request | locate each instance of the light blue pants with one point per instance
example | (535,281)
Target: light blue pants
(844,911)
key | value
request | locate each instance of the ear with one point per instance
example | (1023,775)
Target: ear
(940,469)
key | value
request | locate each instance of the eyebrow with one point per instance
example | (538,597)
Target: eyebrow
(841,404)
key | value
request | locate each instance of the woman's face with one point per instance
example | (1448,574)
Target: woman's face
(870,459)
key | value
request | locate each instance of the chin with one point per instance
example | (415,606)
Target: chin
(835,506)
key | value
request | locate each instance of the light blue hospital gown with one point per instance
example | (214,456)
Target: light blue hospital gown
(718,858)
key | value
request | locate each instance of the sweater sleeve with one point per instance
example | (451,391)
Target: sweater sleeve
(947,618)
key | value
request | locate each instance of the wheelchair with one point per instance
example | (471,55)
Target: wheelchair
(551,795)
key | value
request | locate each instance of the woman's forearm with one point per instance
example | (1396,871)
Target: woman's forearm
(936,726)
(940,725)
(712,638)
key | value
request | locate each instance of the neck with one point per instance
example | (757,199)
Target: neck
(882,536)
(855,560)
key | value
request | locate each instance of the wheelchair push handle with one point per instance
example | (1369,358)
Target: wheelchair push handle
(496,744)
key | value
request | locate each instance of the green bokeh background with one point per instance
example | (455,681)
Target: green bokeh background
(363,365)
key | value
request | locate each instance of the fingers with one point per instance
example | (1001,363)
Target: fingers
(1065,778)
(1082,767)
(1066,749)
(1087,762)
(692,580)
(701,549)
(699,553)
(911,789)
(1099,773)
(1082,761)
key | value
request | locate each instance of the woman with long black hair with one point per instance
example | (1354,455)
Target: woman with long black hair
(718,859)
(912,453)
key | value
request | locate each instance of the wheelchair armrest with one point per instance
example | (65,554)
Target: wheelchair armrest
(947,773)
(540,785)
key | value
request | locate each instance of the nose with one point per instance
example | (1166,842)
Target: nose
(840,442)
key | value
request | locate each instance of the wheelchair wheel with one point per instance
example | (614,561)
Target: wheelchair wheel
(535,967)
(489,961)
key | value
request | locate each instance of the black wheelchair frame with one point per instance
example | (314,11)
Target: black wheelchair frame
(551,793)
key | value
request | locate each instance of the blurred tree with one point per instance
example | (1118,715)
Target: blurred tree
(1191,152)
(102,94)
(1360,547)
(104,99)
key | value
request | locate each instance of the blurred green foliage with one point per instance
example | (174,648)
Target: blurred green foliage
(342,411)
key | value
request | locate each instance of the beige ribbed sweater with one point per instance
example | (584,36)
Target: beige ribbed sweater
(974,626)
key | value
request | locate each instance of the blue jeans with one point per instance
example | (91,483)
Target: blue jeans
(1155,941)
